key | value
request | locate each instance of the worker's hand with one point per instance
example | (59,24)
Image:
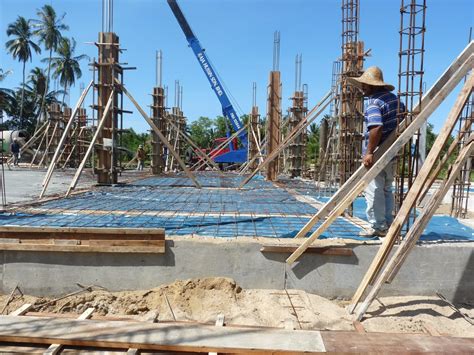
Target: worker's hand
(368,160)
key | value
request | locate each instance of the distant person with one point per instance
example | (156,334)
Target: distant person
(381,120)
(140,157)
(189,156)
(15,149)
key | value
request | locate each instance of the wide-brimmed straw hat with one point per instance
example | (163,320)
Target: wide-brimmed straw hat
(373,76)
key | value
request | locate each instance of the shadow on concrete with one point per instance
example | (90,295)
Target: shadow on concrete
(311,261)
(464,294)
(379,313)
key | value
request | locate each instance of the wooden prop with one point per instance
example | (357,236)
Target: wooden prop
(160,135)
(416,188)
(310,117)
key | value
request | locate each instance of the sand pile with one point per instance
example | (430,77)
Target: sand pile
(202,299)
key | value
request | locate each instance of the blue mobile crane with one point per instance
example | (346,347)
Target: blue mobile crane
(234,154)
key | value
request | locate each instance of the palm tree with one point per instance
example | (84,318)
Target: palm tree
(37,85)
(66,66)
(4,74)
(20,47)
(48,29)
(5,94)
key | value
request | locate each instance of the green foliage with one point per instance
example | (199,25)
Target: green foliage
(201,131)
(23,110)
(221,125)
(25,116)
(131,140)
(20,47)
(205,130)
(66,66)
(312,147)
(48,27)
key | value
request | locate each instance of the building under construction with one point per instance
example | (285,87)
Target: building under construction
(256,244)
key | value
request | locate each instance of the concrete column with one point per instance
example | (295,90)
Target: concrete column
(273,124)
(297,149)
(158,109)
(253,126)
(80,136)
(107,67)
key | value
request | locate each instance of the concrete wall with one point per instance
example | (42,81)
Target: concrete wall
(447,268)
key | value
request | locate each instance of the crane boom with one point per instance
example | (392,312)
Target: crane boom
(211,75)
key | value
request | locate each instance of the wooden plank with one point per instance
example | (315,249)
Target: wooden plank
(22,310)
(156,336)
(83,248)
(275,248)
(445,83)
(380,164)
(87,314)
(389,343)
(417,228)
(415,190)
(126,243)
(55,349)
(7,231)
(11,237)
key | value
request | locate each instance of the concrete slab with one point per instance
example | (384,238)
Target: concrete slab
(446,268)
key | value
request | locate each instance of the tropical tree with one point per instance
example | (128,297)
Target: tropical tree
(48,29)
(20,47)
(66,66)
(312,147)
(37,80)
(37,85)
(5,94)
(201,131)
(4,74)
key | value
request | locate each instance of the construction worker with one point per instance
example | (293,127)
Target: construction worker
(140,157)
(15,149)
(380,120)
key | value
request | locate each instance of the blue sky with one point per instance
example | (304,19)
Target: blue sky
(238,37)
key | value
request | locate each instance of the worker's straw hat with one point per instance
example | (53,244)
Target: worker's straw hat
(373,76)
